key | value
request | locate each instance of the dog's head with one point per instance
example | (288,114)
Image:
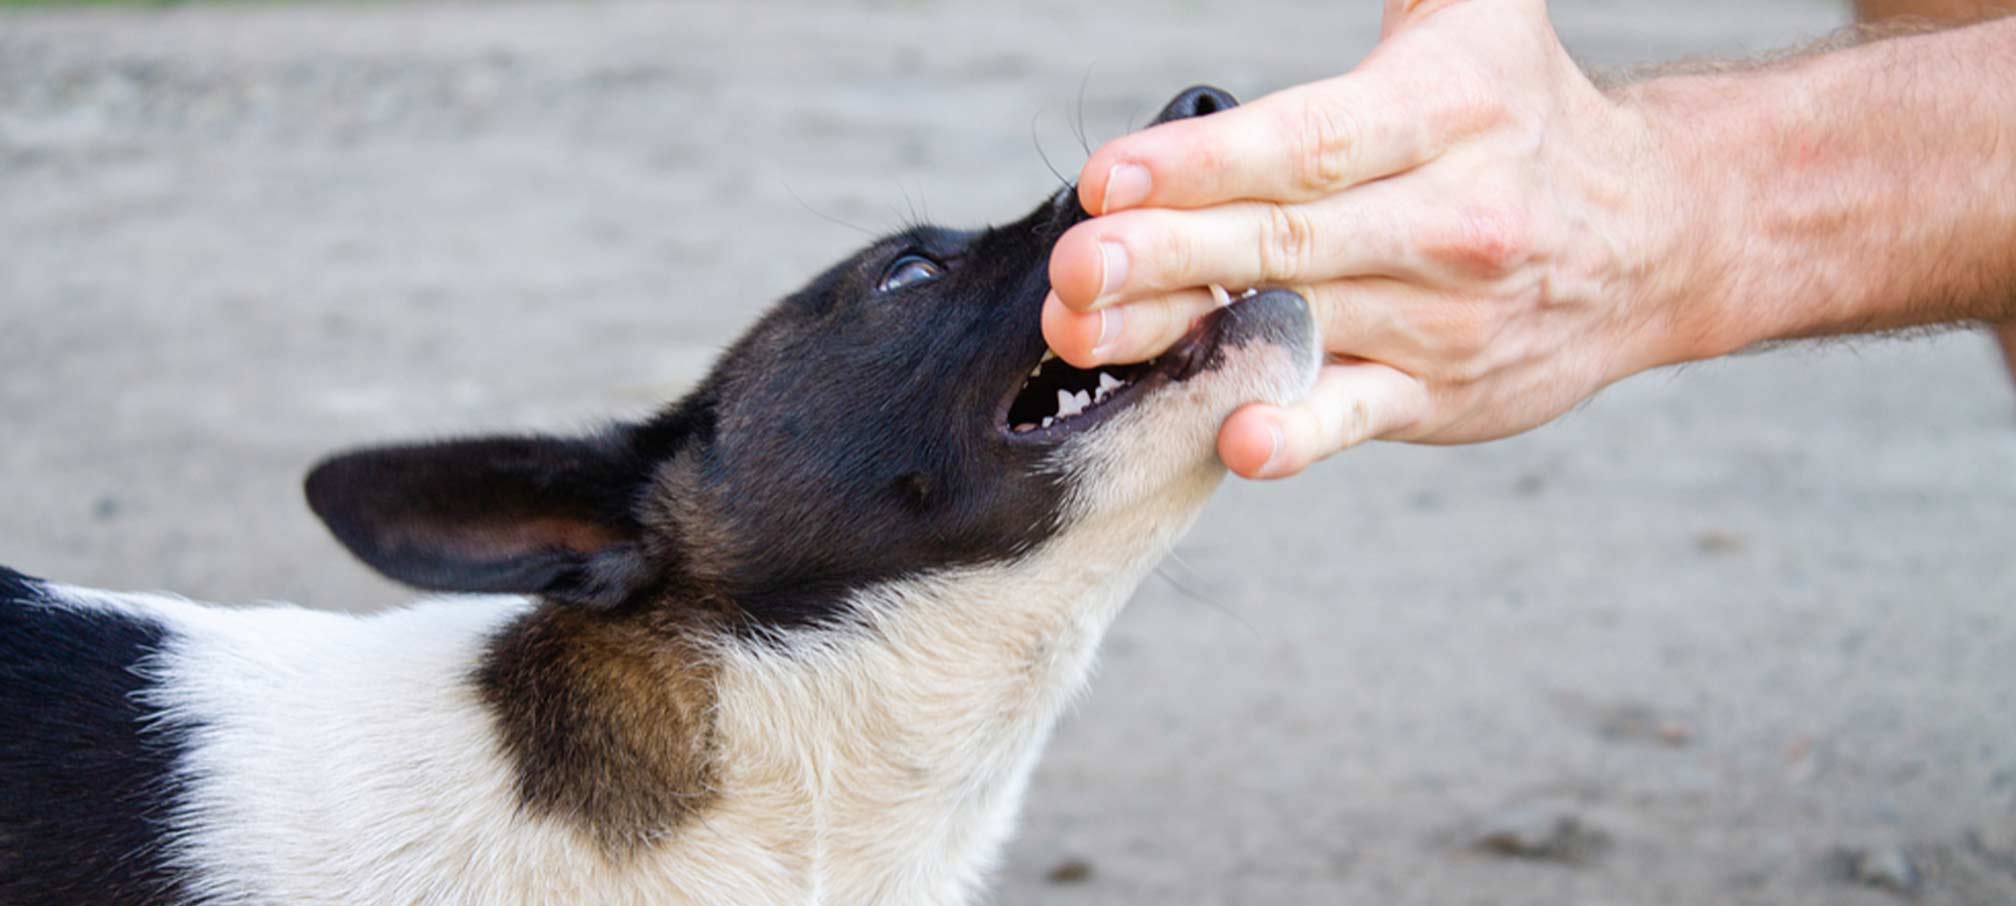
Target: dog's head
(898,416)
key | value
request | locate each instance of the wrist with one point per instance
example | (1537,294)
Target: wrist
(1681,303)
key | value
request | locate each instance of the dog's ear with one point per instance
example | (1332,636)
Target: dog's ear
(527,515)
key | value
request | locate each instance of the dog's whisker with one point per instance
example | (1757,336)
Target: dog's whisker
(1083,142)
(911,220)
(1134,117)
(822,215)
(1037,140)
(1199,597)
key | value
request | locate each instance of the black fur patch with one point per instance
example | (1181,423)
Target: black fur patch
(85,790)
(529,515)
(855,434)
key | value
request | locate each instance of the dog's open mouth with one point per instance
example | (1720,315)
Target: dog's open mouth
(1056,399)
(1056,394)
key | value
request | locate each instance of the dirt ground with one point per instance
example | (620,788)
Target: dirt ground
(1739,633)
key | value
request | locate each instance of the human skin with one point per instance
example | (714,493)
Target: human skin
(1947,12)
(1488,238)
(1950,12)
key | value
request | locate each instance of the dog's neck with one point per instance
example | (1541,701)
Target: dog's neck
(891,757)
(881,760)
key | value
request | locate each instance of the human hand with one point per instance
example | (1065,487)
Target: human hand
(1484,238)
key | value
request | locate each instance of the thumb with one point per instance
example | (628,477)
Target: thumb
(1350,404)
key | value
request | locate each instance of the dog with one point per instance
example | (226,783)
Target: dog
(797,638)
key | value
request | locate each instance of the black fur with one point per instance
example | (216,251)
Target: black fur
(85,789)
(552,516)
(851,436)
(855,434)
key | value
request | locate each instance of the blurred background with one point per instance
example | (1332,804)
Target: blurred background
(1736,633)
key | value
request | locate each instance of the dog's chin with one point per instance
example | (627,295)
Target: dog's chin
(1159,444)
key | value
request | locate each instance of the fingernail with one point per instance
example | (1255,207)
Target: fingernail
(1278,441)
(1110,320)
(1113,269)
(1126,186)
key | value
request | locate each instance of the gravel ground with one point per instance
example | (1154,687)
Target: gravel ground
(1739,633)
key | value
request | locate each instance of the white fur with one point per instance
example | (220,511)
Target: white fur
(341,759)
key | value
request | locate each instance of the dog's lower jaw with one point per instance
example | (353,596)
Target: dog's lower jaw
(890,758)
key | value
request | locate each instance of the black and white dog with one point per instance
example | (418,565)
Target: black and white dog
(798,638)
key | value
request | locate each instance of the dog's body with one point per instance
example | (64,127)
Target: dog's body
(798,639)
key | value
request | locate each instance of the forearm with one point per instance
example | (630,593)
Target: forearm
(1867,189)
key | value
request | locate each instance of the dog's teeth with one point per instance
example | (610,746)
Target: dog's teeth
(1047,422)
(1083,399)
(1100,395)
(1109,383)
(1070,404)
(1048,354)
(1032,373)
(1249,293)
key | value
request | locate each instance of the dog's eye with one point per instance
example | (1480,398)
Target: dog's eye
(907,270)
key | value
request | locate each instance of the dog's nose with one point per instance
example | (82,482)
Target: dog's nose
(1196,101)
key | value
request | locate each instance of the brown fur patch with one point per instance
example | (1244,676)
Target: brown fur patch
(608,718)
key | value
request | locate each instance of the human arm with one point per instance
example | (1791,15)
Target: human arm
(1868,189)
(1917,14)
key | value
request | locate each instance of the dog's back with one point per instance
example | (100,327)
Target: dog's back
(161,751)
(85,777)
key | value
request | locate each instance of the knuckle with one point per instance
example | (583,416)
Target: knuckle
(1343,417)
(1340,424)
(1483,241)
(1288,244)
(1184,256)
(1162,325)
(1354,424)
(1324,136)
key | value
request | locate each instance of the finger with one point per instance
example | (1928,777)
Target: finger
(1150,252)
(1135,332)
(1301,143)
(1419,329)
(1350,404)
(1380,319)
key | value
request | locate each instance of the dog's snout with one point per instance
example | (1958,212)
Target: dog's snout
(1199,100)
